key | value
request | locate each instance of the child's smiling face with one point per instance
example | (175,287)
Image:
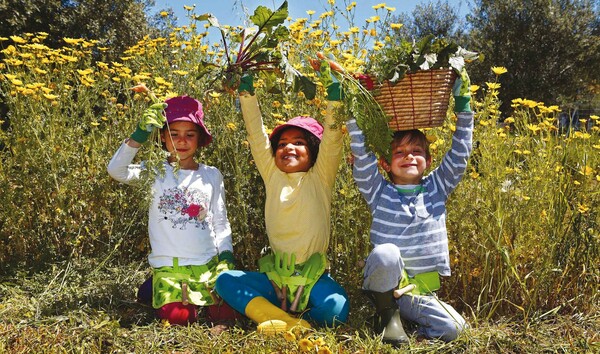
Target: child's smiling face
(292,153)
(408,163)
(184,141)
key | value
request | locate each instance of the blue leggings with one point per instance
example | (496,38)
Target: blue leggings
(328,303)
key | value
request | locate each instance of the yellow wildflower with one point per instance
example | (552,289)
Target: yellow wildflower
(50,96)
(310,12)
(396,25)
(582,208)
(159,80)
(188,8)
(84,72)
(582,135)
(324,350)
(533,127)
(214,94)
(379,6)
(586,171)
(18,39)
(73,40)
(499,70)
(493,85)
(319,342)
(231,126)
(305,344)
(289,336)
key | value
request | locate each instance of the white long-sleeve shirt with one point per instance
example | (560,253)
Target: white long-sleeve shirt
(187,217)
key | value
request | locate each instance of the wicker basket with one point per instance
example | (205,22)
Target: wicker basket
(419,100)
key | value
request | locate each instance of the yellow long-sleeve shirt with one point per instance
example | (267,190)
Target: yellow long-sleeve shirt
(298,205)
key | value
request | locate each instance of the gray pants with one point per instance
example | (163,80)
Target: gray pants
(433,317)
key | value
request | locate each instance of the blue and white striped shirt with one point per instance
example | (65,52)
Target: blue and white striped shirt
(415,222)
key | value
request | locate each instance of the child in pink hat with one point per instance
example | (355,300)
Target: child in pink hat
(298,163)
(190,234)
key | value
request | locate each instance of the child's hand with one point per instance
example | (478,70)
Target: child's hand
(462,92)
(152,118)
(324,68)
(227,256)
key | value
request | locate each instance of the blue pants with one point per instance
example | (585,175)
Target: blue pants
(434,318)
(328,303)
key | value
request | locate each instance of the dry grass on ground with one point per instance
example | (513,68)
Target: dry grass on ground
(89,308)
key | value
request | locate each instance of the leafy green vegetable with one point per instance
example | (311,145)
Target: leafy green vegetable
(258,52)
(394,61)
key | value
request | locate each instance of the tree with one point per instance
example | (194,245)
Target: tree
(116,24)
(439,19)
(551,48)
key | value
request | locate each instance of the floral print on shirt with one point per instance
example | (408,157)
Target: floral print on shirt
(183,207)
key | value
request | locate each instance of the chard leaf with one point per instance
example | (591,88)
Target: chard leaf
(297,80)
(265,18)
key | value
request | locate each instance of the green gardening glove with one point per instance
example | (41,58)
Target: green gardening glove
(246,84)
(325,69)
(152,118)
(329,81)
(462,92)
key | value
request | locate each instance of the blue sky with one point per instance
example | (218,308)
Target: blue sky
(231,11)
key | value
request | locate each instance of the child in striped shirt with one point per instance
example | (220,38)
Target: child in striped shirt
(408,231)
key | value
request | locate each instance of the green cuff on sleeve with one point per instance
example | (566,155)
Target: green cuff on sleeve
(140,135)
(334,92)
(462,104)
(226,256)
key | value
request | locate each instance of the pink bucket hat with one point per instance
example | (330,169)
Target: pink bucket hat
(187,109)
(307,123)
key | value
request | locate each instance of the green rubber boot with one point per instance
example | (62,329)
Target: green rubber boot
(387,319)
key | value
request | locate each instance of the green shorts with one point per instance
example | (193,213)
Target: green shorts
(188,284)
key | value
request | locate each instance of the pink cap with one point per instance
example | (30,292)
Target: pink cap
(187,109)
(304,122)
